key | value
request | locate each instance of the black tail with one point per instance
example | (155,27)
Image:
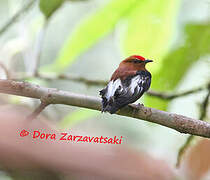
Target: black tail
(111,109)
(108,105)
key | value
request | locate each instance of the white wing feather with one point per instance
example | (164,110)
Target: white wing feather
(112,87)
(136,82)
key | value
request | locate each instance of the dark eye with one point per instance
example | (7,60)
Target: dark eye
(136,61)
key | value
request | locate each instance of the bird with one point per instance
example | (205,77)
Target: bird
(127,84)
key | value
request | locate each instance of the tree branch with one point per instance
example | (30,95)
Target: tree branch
(37,111)
(38,49)
(170,96)
(189,140)
(5,70)
(17,15)
(204,105)
(177,122)
(92,82)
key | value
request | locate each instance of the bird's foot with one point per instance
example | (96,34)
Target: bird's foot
(139,105)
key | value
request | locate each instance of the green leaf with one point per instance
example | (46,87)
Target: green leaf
(91,30)
(48,7)
(76,117)
(178,61)
(150,30)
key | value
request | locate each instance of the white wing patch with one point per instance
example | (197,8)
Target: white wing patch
(112,87)
(136,82)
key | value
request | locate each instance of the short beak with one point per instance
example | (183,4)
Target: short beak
(148,60)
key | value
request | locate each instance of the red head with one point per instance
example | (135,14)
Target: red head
(136,59)
(129,66)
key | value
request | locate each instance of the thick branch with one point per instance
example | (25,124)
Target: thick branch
(180,123)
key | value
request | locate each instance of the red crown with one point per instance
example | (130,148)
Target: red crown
(138,57)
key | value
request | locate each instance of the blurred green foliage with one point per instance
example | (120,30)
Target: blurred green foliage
(149,30)
(49,7)
(91,30)
(178,61)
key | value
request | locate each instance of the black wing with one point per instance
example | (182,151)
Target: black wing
(130,90)
(134,88)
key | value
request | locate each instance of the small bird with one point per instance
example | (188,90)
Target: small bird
(127,84)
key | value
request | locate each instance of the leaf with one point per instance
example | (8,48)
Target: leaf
(91,30)
(48,7)
(76,117)
(175,65)
(150,29)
